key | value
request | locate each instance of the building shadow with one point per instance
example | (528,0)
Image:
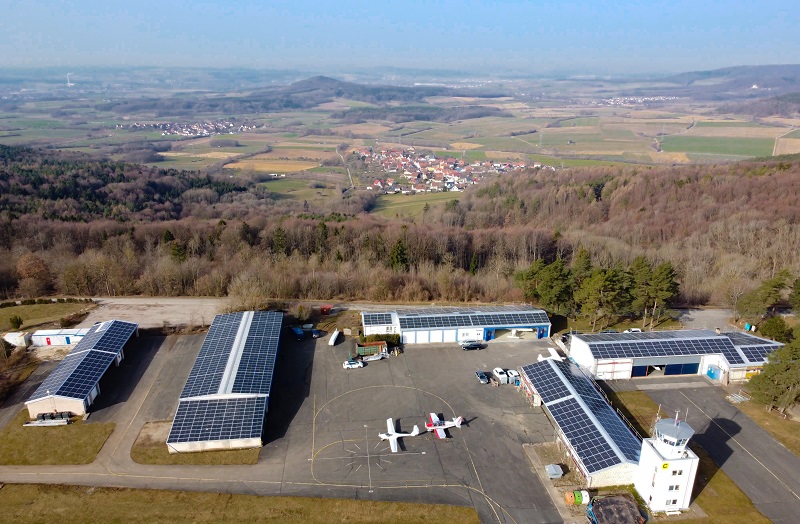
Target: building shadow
(119,382)
(711,446)
(291,384)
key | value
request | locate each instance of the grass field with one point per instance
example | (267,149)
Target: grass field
(38,315)
(725,123)
(714,491)
(410,206)
(719,145)
(76,443)
(297,189)
(43,503)
(785,431)
(150,448)
(272,166)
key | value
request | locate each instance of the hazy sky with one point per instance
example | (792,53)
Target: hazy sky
(580,36)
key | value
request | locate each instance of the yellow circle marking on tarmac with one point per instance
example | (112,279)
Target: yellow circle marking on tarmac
(314,453)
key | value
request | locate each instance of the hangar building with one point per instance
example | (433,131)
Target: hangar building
(74,384)
(225,399)
(604,448)
(727,357)
(455,324)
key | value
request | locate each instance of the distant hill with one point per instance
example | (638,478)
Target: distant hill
(303,94)
(737,82)
(785,105)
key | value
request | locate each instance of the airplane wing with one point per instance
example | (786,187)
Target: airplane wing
(440,433)
(393,444)
(434,419)
(389,426)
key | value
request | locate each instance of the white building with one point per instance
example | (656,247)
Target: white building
(75,383)
(727,357)
(455,324)
(225,399)
(604,448)
(57,337)
(667,467)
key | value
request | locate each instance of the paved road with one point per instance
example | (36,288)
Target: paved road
(706,318)
(323,419)
(763,469)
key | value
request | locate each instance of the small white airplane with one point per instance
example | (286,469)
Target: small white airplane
(440,425)
(391,435)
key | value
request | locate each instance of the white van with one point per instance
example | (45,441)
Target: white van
(500,375)
(332,341)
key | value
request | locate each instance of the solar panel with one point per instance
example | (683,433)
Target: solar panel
(663,347)
(741,339)
(546,381)
(207,371)
(759,354)
(589,444)
(218,419)
(470,318)
(574,401)
(254,373)
(376,319)
(82,368)
(237,358)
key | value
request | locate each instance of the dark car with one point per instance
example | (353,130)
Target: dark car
(482,377)
(471,345)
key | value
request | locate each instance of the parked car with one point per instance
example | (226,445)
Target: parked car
(471,344)
(315,333)
(609,331)
(352,364)
(500,375)
(482,377)
(633,330)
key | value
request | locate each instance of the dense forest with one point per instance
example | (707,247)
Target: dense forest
(76,225)
(787,106)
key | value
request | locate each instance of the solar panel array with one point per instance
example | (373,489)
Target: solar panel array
(741,339)
(661,344)
(476,310)
(583,435)
(474,320)
(254,374)
(376,319)
(202,415)
(207,371)
(588,422)
(82,368)
(647,335)
(759,354)
(218,419)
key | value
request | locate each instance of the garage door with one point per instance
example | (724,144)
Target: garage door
(436,335)
(450,335)
(681,369)
(409,337)
(422,337)
(614,369)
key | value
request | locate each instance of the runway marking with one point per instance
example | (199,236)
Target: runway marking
(369,469)
(741,446)
(489,501)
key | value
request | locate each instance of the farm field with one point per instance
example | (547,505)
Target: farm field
(410,206)
(298,189)
(272,166)
(745,147)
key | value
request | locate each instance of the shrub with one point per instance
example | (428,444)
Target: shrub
(392,340)
(28,302)
(15,321)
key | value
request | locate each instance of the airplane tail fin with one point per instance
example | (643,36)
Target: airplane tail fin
(458,421)
(415,431)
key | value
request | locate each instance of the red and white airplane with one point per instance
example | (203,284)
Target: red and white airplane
(440,425)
